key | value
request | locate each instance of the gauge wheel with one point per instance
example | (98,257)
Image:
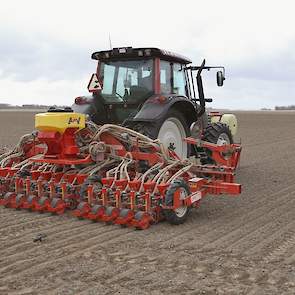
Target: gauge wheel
(179,215)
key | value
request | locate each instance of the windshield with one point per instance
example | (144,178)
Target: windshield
(126,81)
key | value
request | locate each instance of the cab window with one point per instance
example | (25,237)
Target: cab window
(108,78)
(165,77)
(178,80)
(126,80)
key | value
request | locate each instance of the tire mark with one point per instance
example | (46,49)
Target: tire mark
(34,266)
(215,225)
(288,243)
(23,219)
(240,238)
(67,234)
(62,228)
(20,227)
(275,236)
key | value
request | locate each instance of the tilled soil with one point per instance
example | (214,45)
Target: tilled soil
(243,245)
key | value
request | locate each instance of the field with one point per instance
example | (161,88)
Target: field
(243,245)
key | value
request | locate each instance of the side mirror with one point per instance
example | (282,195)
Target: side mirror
(220,78)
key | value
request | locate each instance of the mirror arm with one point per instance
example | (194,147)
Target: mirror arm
(194,68)
(202,109)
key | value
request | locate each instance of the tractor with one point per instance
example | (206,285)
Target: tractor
(153,91)
(140,149)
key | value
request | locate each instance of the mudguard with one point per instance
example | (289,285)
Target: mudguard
(156,108)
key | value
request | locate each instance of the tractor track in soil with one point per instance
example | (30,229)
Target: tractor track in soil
(243,245)
(214,227)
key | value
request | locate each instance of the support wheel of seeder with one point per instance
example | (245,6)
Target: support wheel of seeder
(82,210)
(142,220)
(42,204)
(111,213)
(30,202)
(7,199)
(57,206)
(19,201)
(96,213)
(178,215)
(125,217)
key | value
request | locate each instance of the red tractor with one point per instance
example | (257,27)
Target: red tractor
(121,155)
(153,91)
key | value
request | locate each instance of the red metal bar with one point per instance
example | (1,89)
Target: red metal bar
(90,194)
(69,161)
(63,190)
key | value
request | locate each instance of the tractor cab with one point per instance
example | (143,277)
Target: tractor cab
(127,77)
(134,74)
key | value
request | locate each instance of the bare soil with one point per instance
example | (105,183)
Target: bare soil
(243,245)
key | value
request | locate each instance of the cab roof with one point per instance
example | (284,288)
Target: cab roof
(145,52)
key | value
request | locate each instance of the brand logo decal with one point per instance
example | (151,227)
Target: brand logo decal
(74,120)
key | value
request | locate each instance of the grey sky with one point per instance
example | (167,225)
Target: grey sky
(46,46)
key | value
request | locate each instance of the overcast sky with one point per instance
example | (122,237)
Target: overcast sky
(46,45)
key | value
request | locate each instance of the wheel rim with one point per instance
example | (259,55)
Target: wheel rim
(171,134)
(223,139)
(181,211)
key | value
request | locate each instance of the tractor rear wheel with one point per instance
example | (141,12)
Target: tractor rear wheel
(171,131)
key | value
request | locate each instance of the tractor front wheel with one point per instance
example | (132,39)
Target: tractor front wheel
(217,133)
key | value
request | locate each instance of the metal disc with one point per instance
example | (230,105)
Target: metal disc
(171,134)
(223,139)
(181,211)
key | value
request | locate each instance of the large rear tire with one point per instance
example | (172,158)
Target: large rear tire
(171,131)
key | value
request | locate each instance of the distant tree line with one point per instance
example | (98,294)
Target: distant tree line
(4,105)
(35,106)
(285,108)
(27,106)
